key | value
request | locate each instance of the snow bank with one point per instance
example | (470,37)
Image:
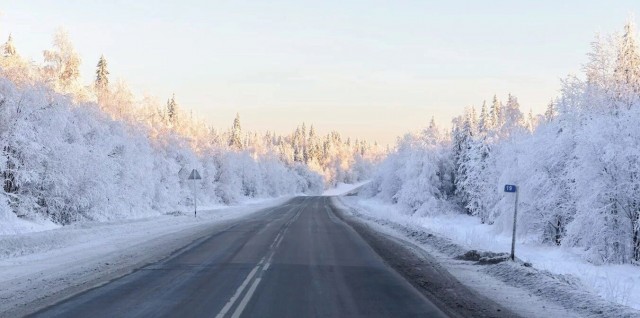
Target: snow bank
(557,276)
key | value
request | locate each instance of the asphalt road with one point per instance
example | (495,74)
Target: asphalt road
(297,260)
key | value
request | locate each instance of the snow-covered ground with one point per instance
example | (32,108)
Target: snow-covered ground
(559,283)
(67,259)
(344,188)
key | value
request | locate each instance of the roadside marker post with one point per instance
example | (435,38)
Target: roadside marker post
(510,188)
(195,176)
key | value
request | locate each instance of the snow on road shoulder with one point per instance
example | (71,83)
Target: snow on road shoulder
(558,284)
(344,188)
(67,259)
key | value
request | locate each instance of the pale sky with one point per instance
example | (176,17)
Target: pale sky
(369,69)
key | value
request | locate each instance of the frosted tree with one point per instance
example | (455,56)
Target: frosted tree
(298,145)
(9,48)
(172,110)
(313,146)
(513,117)
(476,179)
(62,62)
(532,121)
(495,114)
(484,122)
(463,152)
(235,136)
(599,70)
(431,135)
(627,68)
(102,76)
(550,112)
(473,120)
(14,67)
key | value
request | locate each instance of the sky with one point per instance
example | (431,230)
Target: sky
(368,69)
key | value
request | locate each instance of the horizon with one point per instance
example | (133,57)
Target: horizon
(282,64)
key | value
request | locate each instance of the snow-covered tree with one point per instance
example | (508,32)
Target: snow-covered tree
(496,114)
(172,110)
(235,137)
(484,122)
(550,113)
(62,62)
(102,76)
(9,47)
(627,68)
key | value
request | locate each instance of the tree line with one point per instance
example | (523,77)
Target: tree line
(577,166)
(74,151)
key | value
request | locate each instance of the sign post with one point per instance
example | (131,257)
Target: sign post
(513,189)
(195,176)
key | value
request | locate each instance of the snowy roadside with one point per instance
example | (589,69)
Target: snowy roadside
(41,267)
(344,188)
(531,291)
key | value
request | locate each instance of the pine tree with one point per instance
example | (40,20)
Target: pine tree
(496,114)
(513,117)
(431,135)
(315,151)
(9,48)
(531,121)
(235,137)
(463,154)
(484,120)
(473,119)
(172,109)
(550,113)
(102,76)
(304,132)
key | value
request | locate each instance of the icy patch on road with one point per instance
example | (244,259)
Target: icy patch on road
(344,188)
(553,283)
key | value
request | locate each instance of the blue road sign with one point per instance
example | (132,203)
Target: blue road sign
(509,188)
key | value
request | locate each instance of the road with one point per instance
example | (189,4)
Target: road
(296,260)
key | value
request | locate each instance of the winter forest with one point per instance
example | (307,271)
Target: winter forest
(576,166)
(75,151)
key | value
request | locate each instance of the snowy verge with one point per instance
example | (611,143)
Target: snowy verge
(344,188)
(39,268)
(541,290)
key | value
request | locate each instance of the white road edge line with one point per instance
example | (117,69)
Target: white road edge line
(246,299)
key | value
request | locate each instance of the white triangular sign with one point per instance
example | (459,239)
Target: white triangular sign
(194,175)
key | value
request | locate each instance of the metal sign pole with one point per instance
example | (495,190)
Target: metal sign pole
(511,188)
(513,237)
(195,176)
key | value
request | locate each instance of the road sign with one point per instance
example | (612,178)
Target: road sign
(194,175)
(513,189)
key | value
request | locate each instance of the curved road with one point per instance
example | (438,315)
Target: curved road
(296,260)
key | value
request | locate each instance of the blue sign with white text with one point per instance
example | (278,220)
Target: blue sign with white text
(509,188)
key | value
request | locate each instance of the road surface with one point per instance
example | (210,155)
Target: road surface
(296,260)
